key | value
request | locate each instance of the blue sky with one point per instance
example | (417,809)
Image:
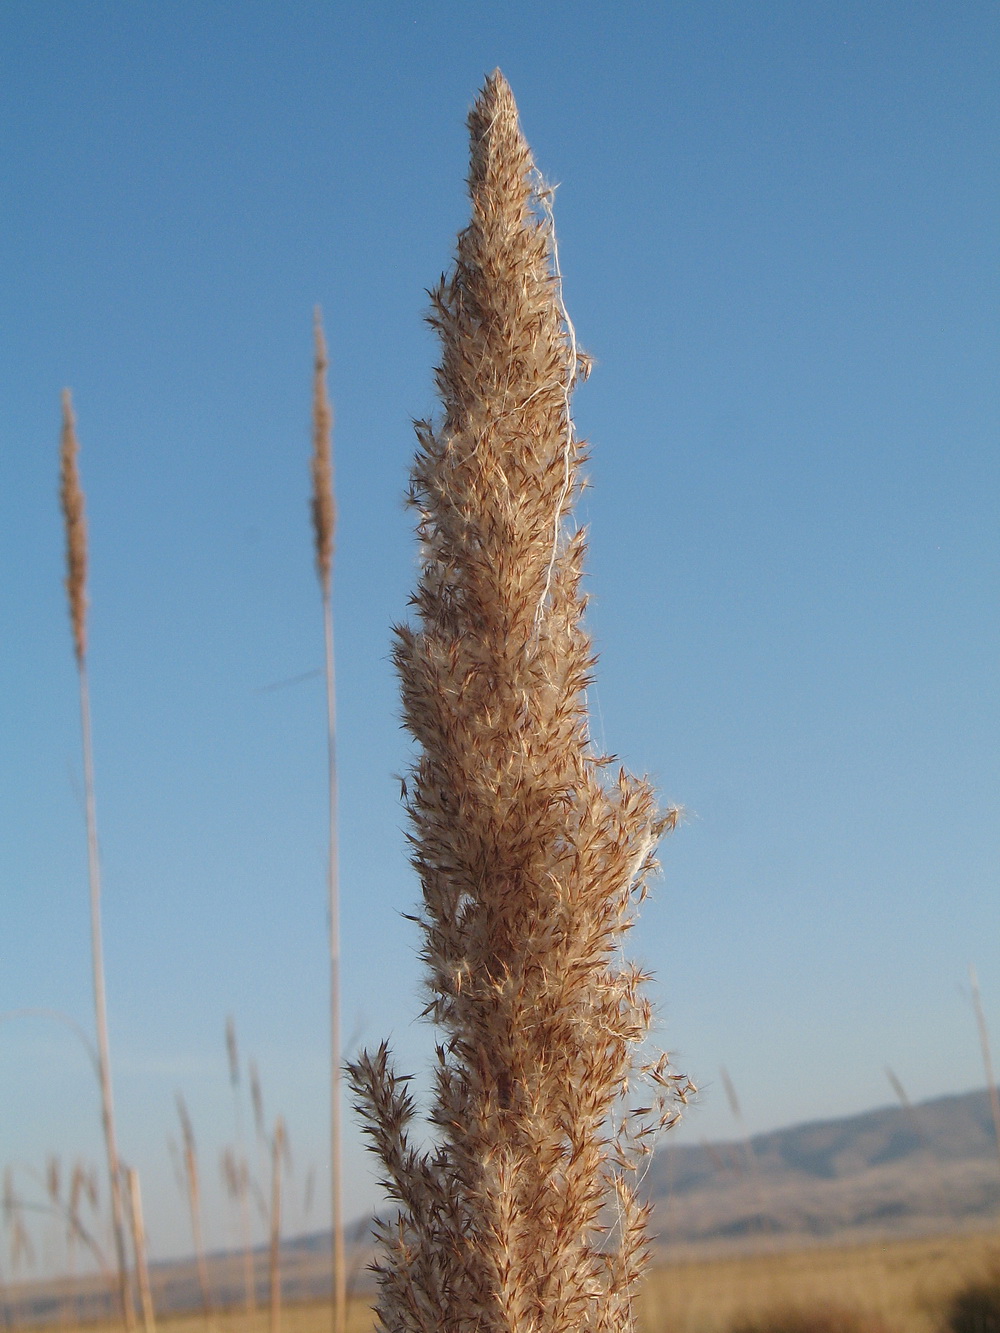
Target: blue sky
(777,229)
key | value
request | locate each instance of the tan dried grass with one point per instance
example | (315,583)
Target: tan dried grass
(236,1170)
(907,1284)
(73,507)
(324,511)
(139,1246)
(987,1054)
(71,499)
(279,1146)
(324,514)
(193,1184)
(524,1215)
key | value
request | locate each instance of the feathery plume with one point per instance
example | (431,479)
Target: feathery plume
(74,513)
(524,1215)
(324,511)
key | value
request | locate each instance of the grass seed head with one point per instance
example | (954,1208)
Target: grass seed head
(324,513)
(530,851)
(71,498)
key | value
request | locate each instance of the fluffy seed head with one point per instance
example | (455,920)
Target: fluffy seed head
(72,500)
(530,851)
(324,513)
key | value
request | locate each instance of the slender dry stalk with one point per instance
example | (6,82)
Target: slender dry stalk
(236,1176)
(257,1102)
(53,1180)
(77,1185)
(5,1311)
(984,1044)
(260,1129)
(233,1057)
(72,500)
(140,1248)
(236,1171)
(53,1188)
(753,1175)
(21,1248)
(524,1216)
(66,1210)
(192,1182)
(83,1186)
(249,1274)
(324,516)
(949,1202)
(274,1261)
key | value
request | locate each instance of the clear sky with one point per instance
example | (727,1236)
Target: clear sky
(778,232)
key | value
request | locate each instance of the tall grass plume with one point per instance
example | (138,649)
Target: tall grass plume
(192,1181)
(531,848)
(324,516)
(72,501)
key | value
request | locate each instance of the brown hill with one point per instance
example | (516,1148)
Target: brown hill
(896,1170)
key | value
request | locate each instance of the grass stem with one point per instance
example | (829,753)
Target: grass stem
(72,499)
(140,1248)
(324,526)
(984,1043)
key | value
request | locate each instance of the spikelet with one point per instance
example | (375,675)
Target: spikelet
(524,1215)
(324,513)
(72,500)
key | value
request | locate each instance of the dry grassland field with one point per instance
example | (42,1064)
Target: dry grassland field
(518,1194)
(889,1286)
(904,1283)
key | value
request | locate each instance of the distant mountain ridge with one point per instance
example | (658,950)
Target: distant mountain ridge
(895,1171)
(901,1170)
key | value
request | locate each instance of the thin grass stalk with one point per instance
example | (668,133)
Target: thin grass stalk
(193,1183)
(53,1187)
(984,1044)
(236,1174)
(14,1207)
(274,1260)
(754,1179)
(324,516)
(950,1203)
(259,1123)
(249,1276)
(237,1177)
(72,500)
(100,1006)
(5,1316)
(140,1248)
(20,1247)
(78,1182)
